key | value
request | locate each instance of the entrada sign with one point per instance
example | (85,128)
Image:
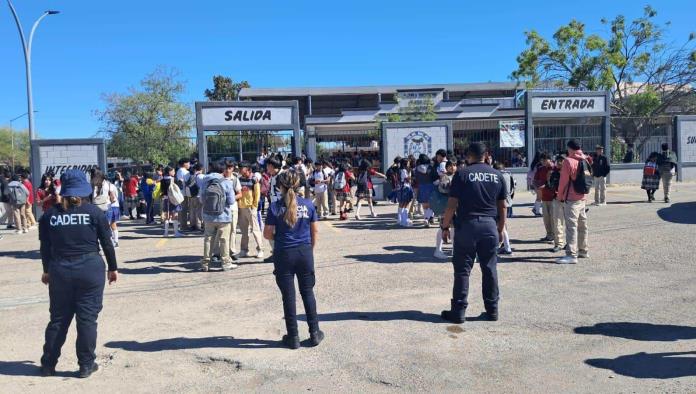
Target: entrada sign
(568,105)
(245,116)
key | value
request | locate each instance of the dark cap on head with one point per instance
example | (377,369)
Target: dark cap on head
(573,144)
(73,183)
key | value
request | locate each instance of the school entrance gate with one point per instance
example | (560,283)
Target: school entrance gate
(238,130)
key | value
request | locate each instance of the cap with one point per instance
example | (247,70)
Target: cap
(73,183)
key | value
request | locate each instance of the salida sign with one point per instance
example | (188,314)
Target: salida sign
(568,105)
(245,116)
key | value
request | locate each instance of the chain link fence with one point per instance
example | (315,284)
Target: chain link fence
(634,138)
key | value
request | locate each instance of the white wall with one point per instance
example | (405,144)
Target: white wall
(398,145)
(59,158)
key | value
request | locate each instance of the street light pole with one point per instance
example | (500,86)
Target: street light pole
(26,47)
(12,139)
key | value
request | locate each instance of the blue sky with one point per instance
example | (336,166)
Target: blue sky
(96,47)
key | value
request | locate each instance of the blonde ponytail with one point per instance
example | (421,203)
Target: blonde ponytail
(290,208)
(289,183)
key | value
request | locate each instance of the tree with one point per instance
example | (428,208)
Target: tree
(149,124)
(645,75)
(414,111)
(16,153)
(225,89)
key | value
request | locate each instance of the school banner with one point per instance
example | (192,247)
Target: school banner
(512,133)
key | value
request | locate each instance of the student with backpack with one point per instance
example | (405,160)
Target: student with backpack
(574,185)
(509,182)
(341,186)
(217,199)
(319,181)
(557,206)
(18,196)
(547,195)
(171,196)
(365,188)
(196,175)
(105,197)
(651,176)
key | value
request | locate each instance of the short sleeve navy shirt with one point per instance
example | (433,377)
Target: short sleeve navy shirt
(285,236)
(478,188)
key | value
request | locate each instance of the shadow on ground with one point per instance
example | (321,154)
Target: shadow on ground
(21,254)
(26,368)
(650,365)
(640,331)
(378,316)
(400,254)
(182,343)
(679,213)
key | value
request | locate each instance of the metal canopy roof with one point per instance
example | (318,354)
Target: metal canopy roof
(352,90)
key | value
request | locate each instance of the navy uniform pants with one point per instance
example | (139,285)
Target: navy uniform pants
(475,237)
(76,288)
(288,263)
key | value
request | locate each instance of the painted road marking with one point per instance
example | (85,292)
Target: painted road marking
(161,243)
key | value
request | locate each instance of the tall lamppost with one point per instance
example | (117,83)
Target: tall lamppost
(26,47)
(12,138)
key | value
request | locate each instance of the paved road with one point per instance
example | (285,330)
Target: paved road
(622,321)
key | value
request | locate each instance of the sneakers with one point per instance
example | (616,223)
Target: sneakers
(26,230)
(315,338)
(567,260)
(440,255)
(583,255)
(229,266)
(374,215)
(260,255)
(86,372)
(18,231)
(292,342)
(557,249)
(667,200)
(234,257)
(47,371)
(205,267)
(357,217)
(427,224)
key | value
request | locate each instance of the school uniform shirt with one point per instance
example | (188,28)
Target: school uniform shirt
(298,235)
(230,203)
(404,177)
(74,232)
(113,189)
(542,175)
(320,179)
(251,193)
(30,189)
(182,176)
(478,188)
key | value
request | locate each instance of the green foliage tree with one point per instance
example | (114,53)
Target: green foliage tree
(149,124)
(14,148)
(646,75)
(225,89)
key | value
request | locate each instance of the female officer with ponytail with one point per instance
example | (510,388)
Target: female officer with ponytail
(70,235)
(292,224)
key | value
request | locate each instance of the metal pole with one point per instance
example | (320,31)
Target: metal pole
(13,150)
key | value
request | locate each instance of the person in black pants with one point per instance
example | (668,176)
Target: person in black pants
(292,225)
(70,236)
(477,195)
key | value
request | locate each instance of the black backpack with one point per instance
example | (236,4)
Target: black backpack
(554,180)
(583,179)
(214,198)
(193,185)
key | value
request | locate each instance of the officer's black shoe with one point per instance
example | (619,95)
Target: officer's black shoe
(268,259)
(491,315)
(87,371)
(47,371)
(292,342)
(315,338)
(453,317)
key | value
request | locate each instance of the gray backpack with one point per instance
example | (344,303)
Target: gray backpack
(18,195)
(214,198)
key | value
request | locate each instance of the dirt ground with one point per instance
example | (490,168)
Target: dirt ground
(621,321)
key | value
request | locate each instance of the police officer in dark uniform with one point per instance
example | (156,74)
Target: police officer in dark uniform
(70,235)
(478,196)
